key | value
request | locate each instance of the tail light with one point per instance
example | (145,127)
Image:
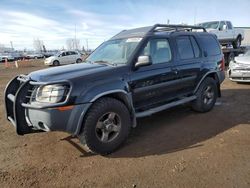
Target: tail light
(221,64)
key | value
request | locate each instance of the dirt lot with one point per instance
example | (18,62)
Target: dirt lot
(174,148)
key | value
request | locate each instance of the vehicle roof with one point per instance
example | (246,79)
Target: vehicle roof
(158,29)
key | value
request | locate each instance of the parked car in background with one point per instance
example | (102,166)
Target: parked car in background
(225,32)
(48,54)
(7,56)
(17,55)
(34,56)
(239,68)
(64,57)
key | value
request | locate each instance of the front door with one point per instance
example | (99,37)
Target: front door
(64,58)
(154,84)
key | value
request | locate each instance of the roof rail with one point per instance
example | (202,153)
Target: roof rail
(166,27)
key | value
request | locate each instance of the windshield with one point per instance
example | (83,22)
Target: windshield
(114,52)
(209,25)
(57,54)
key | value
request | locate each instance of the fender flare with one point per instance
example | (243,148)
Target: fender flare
(129,104)
(206,75)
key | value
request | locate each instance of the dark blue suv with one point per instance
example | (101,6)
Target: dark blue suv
(136,73)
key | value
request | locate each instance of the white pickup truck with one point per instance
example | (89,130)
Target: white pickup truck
(225,32)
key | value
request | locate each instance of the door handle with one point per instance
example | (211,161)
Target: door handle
(175,70)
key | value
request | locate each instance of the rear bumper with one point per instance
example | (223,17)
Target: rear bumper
(28,118)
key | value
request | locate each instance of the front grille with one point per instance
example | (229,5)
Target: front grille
(241,78)
(30,96)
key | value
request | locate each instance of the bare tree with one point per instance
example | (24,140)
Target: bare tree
(73,44)
(38,45)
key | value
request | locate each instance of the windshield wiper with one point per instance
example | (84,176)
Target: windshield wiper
(105,62)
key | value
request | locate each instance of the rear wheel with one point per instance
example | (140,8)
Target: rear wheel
(78,61)
(106,126)
(237,42)
(56,63)
(206,96)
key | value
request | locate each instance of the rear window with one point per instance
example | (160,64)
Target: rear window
(210,45)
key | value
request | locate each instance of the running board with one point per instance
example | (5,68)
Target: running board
(164,107)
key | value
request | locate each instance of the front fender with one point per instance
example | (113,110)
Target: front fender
(101,88)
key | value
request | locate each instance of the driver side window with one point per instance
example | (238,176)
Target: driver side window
(158,50)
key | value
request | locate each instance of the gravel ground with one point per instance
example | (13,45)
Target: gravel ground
(174,148)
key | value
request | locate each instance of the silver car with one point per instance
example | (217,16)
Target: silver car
(239,68)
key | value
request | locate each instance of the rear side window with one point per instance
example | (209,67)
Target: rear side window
(197,51)
(185,47)
(210,45)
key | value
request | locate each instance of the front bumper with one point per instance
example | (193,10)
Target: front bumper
(48,62)
(28,118)
(239,75)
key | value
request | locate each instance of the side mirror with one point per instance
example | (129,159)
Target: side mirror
(224,27)
(143,60)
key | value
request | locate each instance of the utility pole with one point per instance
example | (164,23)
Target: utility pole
(75,37)
(195,12)
(11,44)
(87,44)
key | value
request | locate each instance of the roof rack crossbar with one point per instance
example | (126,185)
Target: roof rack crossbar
(165,27)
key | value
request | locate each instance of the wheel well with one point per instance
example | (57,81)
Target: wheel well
(215,77)
(118,96)
(121,97)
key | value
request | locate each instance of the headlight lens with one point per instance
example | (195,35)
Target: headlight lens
(51,93)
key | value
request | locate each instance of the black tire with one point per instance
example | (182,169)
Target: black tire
(78,61)
(207,94)
(56,63)
(92,132)
(237,42)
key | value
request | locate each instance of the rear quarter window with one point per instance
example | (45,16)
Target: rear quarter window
(210,45)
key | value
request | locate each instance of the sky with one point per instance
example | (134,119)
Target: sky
(94,21)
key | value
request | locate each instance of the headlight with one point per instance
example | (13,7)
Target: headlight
(51,93)
(233,63)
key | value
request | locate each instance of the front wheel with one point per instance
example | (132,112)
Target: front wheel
(206,96)
(56,63)
(78,61)
(106,126)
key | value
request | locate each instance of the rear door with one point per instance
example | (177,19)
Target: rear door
(156,83)
(73,57)
(188,64)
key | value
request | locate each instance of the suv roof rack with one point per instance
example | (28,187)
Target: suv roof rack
(166,27)
(142,31)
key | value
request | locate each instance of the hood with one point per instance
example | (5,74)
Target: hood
(67,71)
(50,58)
(243,60)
